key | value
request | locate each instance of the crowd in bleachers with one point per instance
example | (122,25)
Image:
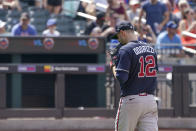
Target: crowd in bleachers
(151,18)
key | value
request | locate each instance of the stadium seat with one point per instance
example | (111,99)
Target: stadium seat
(40,28)
(13,13)
(33,8)
(12,20)
(3,14)
(38,14)
(38,21)
(80,26)
(63,21)
(67,29)
(24,6)
(9,27)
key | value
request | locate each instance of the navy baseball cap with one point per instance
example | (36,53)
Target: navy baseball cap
(172,25)
(125,25)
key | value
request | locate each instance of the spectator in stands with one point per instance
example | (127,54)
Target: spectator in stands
(90,8)
(170,7)
(134,9)
(81,8)
(100,22)
(24,28)
(182,6)
(156,15)
(2,28)
(117,10)
(53,6)
(11,4)
(36,3)
(99,27)
(145,32)
(98,32)
(188,24)
(51,31)
(170,36)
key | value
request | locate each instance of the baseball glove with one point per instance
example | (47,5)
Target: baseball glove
(114,55)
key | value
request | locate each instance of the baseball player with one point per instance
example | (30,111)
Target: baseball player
(135,68)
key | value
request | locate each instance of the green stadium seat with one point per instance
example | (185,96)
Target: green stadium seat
(13,13)
(3,14)
(38,21)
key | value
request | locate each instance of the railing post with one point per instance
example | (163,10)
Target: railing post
(16,85)
(177,93)
(117,94)
(186,94)
(2,92)
(60,94)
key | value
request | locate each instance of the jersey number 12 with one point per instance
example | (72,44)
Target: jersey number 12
(148,69)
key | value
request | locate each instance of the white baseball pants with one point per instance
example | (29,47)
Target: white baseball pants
(137,111)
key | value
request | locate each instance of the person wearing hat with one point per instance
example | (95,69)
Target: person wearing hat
(134,10)
(51,31)
(24,28)
(135,67)
(100,22)
(169,36)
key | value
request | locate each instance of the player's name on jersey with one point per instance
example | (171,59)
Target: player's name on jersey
(143,49)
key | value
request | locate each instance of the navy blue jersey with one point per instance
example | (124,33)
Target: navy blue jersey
(137,68)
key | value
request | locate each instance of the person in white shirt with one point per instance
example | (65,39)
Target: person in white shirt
(51,31)
(3,31)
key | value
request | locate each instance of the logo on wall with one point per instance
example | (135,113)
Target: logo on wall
(48,68)
(26,68)
(93,43)
(4,43)
(48,43)
(95,68)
